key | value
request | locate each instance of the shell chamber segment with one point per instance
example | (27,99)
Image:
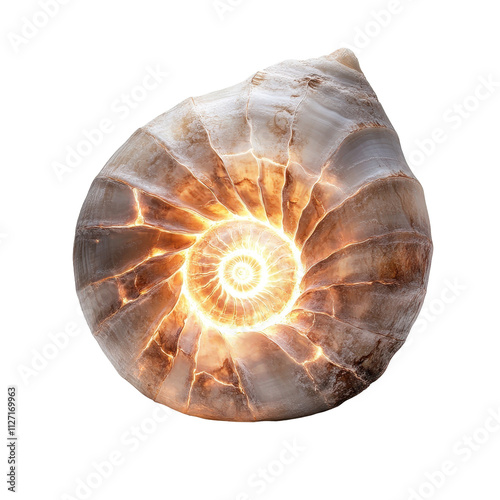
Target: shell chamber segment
(258,253)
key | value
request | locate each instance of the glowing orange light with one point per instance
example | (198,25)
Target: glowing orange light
(242,275)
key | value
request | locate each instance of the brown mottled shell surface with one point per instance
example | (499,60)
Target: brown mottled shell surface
(258,253)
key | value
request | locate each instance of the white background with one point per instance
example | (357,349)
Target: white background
(426,61)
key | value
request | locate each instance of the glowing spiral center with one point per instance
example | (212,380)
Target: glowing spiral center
(241,274)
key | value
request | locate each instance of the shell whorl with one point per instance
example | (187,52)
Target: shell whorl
(258,253)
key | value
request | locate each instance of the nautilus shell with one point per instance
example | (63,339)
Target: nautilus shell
(258,253)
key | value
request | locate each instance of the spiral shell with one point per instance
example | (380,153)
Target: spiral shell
(258,253)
